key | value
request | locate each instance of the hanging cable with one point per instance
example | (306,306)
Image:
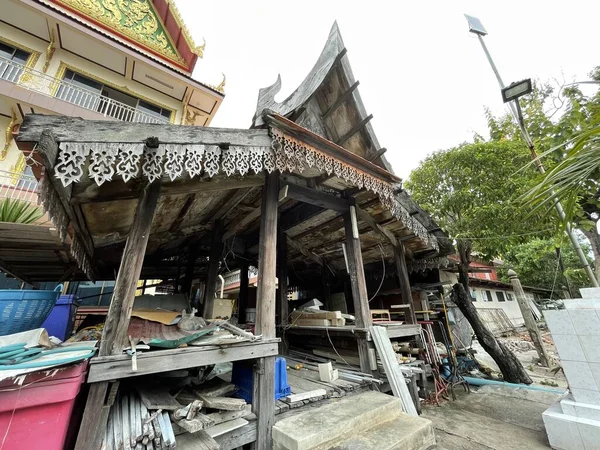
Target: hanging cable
(383,271)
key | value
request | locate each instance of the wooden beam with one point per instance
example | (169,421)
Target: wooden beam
(251,217)
(300,248)
(408,237)
(115,328)
(90,192)
(189,201)
(404,281)
(48,151)
(243,295)
(359,126)
(358,286)
(317,198)
(189,270)
(282,277)
(341,99)
(378,154)
(216,251)
(117,367)
(264,377)
(8,269)
(366,217)
(75,129)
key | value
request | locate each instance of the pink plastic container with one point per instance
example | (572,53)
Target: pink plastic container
(37,413)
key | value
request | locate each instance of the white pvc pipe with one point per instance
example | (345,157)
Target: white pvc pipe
(222,285)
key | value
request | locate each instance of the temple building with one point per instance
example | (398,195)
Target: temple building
(99,60)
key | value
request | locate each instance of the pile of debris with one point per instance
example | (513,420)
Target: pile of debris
(147,416)
(310,314)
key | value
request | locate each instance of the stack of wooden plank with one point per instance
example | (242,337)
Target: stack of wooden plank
(308,318)
(150,418)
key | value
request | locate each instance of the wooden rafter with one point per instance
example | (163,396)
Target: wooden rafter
(340,100)
(355,129)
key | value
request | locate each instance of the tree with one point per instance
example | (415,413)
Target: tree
(536,263)
(565,126)
(472,192)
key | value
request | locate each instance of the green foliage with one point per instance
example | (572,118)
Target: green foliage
(472,192)
(18,211)
(536,264)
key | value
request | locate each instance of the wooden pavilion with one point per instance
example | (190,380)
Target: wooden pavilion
(308,187)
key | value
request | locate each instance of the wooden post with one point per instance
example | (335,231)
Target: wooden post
(264,378)
(114,335)
(400,256)
(534,331)
(189,270)
(243,297)
(216,250)
(358,284)
(282,278)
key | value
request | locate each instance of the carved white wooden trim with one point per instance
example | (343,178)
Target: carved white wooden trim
(286,154)
(52,205)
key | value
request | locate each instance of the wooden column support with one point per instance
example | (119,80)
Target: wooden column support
(358,284)
(102,395)
(114,335)
(282,276)
(216,250)
(264,377)
(243,295)
(402,270)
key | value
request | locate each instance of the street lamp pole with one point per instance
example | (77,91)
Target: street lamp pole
(477,28)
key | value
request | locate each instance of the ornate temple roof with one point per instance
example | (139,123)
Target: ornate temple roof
(152,26)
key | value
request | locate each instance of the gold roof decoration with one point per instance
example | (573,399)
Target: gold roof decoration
(135,20)
(197,50)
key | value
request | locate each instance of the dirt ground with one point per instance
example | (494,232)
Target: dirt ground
(492,417)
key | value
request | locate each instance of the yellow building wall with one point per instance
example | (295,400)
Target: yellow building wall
(59,61)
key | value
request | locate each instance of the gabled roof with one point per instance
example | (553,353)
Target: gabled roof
(154,26)
(328,102)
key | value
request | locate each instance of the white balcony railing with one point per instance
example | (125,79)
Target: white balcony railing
(42,83)
(18,186)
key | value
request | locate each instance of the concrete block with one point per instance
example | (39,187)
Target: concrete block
(559,322)
(591,347)
(582,303)
(404,432)
(579,375)
(590,292)
(570,407)
(562,430)
(351,414)
(586,396)
(568,347)
(589,430)
(585,322)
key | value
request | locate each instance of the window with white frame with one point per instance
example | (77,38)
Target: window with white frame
(510,297)
(500,296)
(488,296)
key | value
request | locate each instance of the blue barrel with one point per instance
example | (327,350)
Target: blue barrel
(23,310)
(62,317)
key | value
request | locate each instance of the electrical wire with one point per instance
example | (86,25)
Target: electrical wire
(383,271)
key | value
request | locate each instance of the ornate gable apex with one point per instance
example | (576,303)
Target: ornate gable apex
(154,26)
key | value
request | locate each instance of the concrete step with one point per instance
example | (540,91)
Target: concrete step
(336,420)
(405,432)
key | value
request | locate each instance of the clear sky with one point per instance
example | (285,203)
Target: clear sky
(422,75)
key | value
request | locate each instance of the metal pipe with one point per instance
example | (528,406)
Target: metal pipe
(518,115)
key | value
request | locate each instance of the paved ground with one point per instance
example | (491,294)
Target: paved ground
(492,417)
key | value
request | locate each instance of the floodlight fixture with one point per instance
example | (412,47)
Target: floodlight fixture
(516,90)
(475,25)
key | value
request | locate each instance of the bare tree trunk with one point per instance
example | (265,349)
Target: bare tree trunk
(464,252)
(509,365)
(594,239)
